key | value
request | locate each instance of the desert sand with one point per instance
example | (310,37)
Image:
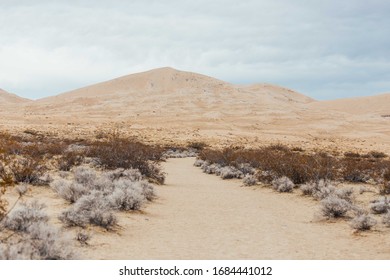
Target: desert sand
(171,106)
(199,216)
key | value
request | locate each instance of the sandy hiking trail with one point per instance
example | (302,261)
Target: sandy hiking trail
(200,216)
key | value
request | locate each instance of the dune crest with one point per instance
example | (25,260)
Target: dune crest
(7,98)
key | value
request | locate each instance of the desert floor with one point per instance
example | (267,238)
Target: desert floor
(199,216)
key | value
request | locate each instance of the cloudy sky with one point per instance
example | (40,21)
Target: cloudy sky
(324,49)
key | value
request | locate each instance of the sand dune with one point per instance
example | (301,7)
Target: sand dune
(167,92)
(7,98)
(378,105)
(171,106)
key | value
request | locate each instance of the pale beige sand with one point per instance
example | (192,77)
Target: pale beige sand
(368,105)
(7,98)
(199,216)
(170,106)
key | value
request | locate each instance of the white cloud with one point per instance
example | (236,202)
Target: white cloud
(324,49)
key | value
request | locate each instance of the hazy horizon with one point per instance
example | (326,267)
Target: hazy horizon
(323,50)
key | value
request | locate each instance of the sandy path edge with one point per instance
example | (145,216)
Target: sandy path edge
(199,216)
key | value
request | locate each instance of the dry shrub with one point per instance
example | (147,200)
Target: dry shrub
(363,222)
(279,147)
(95,196)
(117,152)
(199,163)
(129,174)
(334,207)
(111,152)
(197,145)
(70,159)
(317,189)
(180,153)
(223,157)
(386,175)
(126,196)
(385,188)
(250,180)
(5,180)
(380,206)
(376,154)
(34,238)
(147,190)
(283,184)
(34,146)
(85,175)
(10,145)
(323,190)
(25,215)
(42,242)
(90,209)
(386,219)
(345,193)
(26,170)
(3,203)
(356,170)
(352,155)
(246,168)
(297,149)
(230,172)
(308,188)
(211,168)
(69,190)
(277,160)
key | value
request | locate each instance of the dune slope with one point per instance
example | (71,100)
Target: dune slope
(377,105)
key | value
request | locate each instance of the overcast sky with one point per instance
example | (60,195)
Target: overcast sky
(324,49)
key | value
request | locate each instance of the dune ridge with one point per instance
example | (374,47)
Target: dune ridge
(169,105)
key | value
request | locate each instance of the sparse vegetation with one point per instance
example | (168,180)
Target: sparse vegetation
(70,159)
(69,190)
(197,145)
(90,209)
(33,238)
(385,188)
(95,196)
(386,219)
(345,193)
(230,172)
(25,159)
(249,180)
(334,207)
(276,161)
(363,222)
(316,174)
(25,215)
(122,184)
(380,206)
(113,173)
(283,184)
(118,152)
(180,153)
(352,155)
